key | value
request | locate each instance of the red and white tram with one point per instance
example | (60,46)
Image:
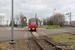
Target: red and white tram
(33,24)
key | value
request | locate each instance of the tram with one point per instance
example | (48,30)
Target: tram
(33,24)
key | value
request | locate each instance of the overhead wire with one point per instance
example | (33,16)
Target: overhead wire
(33,6)
(62,3)
(67,5)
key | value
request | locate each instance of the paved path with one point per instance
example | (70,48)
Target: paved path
(56,31)
(17,28)
(6,34)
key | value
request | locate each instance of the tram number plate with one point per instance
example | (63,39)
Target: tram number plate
(33,28)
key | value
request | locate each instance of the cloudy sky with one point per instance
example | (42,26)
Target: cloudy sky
(43,8)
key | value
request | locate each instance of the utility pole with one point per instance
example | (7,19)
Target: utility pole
(70,18)
(58,22)
(7,22)
(3,20)
(46,23)
(35,15)
(12,40)
(53,18)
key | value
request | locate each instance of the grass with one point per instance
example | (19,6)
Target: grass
(64,38)
(73,44)
(51,27)
(2,26)
(19,45)
(73,31)
(55,27)
(41,26)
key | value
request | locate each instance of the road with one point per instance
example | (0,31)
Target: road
(21,33)
(49,32)
(5,34)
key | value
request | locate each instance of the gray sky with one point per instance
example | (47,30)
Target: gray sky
(43,8)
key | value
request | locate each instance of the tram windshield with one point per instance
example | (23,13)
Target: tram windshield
(33,21)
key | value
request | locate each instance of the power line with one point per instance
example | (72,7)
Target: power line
(67,5)
(62,3)
(33,7)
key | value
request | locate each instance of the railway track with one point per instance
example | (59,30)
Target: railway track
(45,44)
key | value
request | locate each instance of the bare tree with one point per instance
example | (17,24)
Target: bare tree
(57,18)
(21,16)
(40,22)
(7,22)
(17,19)
(73,22)
(0,20)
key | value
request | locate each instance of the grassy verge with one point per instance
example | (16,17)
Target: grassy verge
(73,31)
(3,26)
(55,27)
(64,38)
(41,26)
(51,27)
(19,45)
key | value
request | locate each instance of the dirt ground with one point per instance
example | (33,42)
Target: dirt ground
(19,45)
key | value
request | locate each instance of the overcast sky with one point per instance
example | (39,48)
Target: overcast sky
(43,8)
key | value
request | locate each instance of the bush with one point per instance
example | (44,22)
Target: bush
(15,25)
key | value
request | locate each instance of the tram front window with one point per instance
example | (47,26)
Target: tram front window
(32,21)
